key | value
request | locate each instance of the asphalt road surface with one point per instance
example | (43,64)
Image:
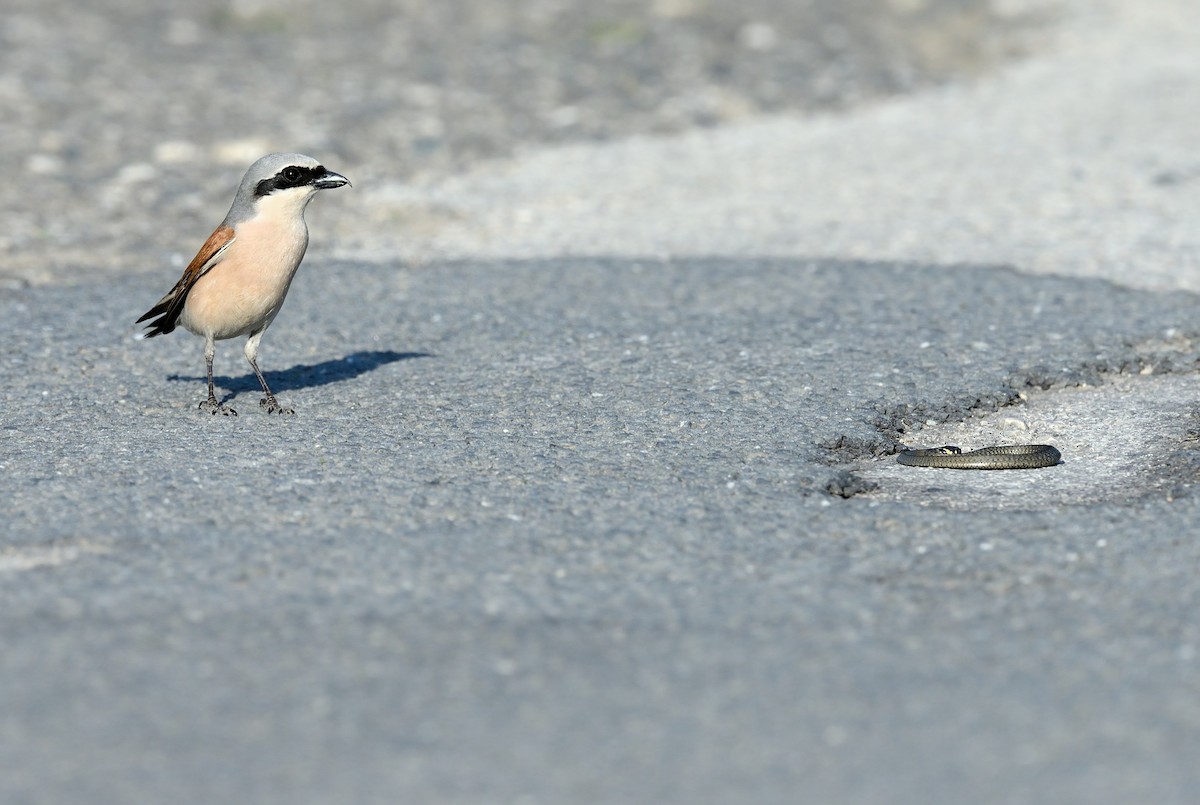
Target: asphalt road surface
(590,493)
(576,531)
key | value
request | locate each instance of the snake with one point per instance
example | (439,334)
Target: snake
(1006,457)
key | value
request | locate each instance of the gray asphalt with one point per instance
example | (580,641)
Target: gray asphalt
(563,531)
(605,508)
(111,109)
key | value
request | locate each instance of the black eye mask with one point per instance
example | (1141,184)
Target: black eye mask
(293,176)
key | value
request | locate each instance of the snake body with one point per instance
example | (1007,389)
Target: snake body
(1008,457)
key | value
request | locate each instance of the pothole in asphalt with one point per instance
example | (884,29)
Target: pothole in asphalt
(1119,441)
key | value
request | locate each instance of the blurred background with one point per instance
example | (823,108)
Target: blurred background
(127,125)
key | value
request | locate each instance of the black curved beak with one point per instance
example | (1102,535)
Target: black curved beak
(329,180)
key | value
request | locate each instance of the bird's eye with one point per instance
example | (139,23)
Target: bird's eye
(291,174)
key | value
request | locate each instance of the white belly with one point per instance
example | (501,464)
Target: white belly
(243,293)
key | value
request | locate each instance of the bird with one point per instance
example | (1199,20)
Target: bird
(236,283)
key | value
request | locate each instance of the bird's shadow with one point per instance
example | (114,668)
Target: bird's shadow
(303,376)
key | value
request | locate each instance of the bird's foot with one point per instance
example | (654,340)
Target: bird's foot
(211,406)
(272,406)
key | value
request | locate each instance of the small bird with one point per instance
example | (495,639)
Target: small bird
(238,280)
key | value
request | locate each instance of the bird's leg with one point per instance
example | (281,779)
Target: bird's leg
(268,403)
(211,405)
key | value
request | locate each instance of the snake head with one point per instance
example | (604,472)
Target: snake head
(948,450)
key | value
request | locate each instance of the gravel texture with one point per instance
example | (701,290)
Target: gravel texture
(128,126)
(595,530)
(1078,161)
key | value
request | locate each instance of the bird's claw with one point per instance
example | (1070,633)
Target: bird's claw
(272,406)
(211,406)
